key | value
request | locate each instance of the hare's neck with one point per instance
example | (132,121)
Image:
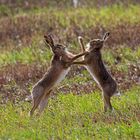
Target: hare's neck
(55,58)
(97,54)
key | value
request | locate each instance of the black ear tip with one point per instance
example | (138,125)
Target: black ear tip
(48,38)
(108,33)
(45,36)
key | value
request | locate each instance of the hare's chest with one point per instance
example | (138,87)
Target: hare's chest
(92,73)
(62,76)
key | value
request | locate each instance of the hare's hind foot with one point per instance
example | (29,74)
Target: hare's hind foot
(107,103)
(36,102)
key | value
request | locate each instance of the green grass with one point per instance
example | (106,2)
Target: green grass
(127,55)
(67,18)
(89,16)
(69,116)
(33,53)
(74,117)
(26,55)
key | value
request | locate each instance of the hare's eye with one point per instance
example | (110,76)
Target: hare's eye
(98,42)
(64,48)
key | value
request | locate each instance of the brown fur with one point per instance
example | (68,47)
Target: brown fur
(94,63)
(60,63)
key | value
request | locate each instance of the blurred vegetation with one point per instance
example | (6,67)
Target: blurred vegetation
(8,7)
(22,28)
(74,117)
(76,112)
(23,49)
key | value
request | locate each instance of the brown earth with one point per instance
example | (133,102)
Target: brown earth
(15,80)
(23,29)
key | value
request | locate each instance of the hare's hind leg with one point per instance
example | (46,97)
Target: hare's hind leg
(107,102)
(37,95)
(44,102)
(35,105)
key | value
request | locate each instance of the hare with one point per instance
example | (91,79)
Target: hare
(94,64)
(60,66)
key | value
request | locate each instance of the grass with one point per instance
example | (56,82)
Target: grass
(87,16)
(119,12)
(66,22)
(32,23)
(102,15)
(79,113)
(34,53)
(74,117)
(26,55)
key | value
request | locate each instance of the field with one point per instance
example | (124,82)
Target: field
(75,109)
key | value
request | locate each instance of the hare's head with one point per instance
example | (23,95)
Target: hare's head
(97,44)
(57,49)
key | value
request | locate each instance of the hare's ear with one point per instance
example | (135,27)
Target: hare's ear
(81,42)
(106,35)
(49,41)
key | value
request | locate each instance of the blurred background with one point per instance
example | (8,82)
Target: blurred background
(24,58)
(77,110)
(27,4)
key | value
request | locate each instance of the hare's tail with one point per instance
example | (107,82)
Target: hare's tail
(28,98)
(117,93)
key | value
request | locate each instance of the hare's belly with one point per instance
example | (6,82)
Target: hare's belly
(62,76)
(90,70)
